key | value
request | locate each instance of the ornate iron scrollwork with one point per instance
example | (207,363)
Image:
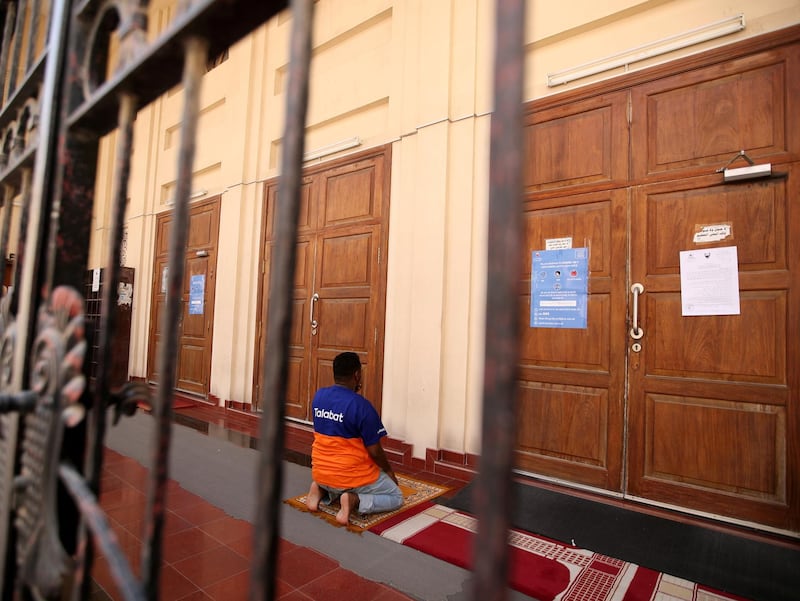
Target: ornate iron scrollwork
(58,381)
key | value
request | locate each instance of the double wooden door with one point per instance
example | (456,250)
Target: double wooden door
(696,412)
(195,335)
(340,278)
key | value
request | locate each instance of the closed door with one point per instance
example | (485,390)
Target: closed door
(712,411)
(195,334)
(571,423)
(714,400)
(339,288)
(653,401)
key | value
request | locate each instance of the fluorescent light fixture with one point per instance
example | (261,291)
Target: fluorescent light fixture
(751,172)
(698,35)
(332,148)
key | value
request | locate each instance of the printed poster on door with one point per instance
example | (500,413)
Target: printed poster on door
(710,281)
(559,288)
(197,289)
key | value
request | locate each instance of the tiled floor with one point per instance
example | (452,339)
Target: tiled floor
(206,553)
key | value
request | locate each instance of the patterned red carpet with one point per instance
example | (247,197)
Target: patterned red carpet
(542,568)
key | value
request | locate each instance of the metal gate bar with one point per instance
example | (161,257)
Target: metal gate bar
(196,59)
(493,487)
(97,418)
(279,315)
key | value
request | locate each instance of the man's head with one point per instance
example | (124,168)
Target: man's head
(347,370)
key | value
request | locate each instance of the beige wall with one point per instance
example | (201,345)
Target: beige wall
(415,74)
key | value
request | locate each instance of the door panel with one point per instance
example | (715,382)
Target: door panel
(755,208)
(348,278)
(298,371)
(585,142)
(698,457)
(706,116)
(571,399)
(352,193)
(194,361)
(761,360)
(298,376)
(712,410)
(159,297)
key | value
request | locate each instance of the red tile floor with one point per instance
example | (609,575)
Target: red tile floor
(206,553)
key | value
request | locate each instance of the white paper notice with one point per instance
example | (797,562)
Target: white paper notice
(558,243)
(710,281)
(705,234)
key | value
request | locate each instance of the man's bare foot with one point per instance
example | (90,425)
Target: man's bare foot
(349,503)
(313,497)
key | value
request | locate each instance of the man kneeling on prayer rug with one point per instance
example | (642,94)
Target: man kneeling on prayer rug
(347,460)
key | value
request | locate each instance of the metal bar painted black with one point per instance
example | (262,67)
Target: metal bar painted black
(21,402)
(30,50)
(196,56)
(126,582)
(493,490)
(159,67)
(19,30)
(8,199)
(97,414)
(8,33)
(279,317)
(31,248)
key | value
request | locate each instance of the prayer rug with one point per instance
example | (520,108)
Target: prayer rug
(414,491)
(541,568)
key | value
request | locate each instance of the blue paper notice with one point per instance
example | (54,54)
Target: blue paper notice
(197,289)
(559,288)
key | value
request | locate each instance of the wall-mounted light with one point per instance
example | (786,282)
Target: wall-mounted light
(698,35)
(332,148)
(752,171)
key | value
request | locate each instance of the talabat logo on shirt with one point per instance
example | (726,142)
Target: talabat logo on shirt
(327,414)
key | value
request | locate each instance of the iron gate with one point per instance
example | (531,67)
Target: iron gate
(59,97)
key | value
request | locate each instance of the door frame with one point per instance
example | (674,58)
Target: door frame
(376,361)
(210,294)
(645,170)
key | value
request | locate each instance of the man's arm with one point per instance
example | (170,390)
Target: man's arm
(379,457)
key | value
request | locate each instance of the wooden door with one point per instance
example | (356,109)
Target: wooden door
(571,407)
(712,414)
(340,278)
(702,412)
(298,381)
(714,401)
(193,370)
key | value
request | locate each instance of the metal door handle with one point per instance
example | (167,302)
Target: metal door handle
(314,322)
(636,331)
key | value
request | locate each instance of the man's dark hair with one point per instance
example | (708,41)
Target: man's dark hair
(345,365)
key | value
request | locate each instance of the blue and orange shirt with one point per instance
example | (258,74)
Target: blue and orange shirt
(345,424)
